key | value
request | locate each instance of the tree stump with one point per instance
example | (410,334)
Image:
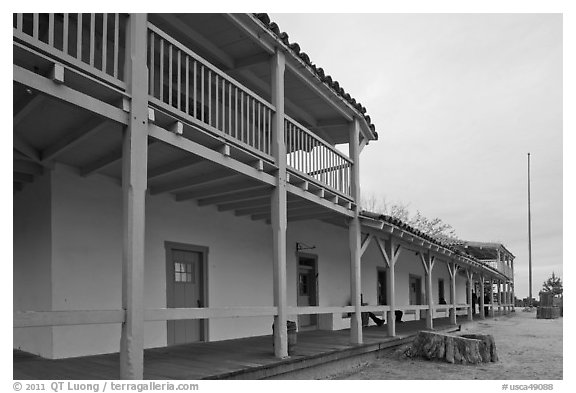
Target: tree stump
(468,349)
(487,347)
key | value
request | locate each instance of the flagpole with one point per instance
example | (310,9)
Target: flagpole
(529,240)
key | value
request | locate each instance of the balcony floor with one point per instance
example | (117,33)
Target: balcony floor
(246,358)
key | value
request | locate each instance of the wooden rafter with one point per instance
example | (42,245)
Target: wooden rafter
(256,193)
(211,190)
(27,167)
(203,178)
(166,169)
(72,138)
(29,107)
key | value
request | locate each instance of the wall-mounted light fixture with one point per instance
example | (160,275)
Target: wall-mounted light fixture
(303,246)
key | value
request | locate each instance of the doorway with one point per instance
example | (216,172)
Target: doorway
(307,289)
(381,287)
(185,288)
(415,283)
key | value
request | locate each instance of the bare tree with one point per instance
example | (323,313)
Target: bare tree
(400,211)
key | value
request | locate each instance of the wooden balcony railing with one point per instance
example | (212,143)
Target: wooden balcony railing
(316,159)
(93,43)
(501,267)
(183,81)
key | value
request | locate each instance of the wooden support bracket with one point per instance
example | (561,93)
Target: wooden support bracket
(57,73)
(224,149)
(178,129)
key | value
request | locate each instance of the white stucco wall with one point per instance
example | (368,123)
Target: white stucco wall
(86,253)
(32,252)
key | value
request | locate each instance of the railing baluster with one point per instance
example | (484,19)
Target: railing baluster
(242,116)
(259,145)
(216,98)
(151,82)
(230,109)
(65,34)
(210,97)
(187,84)
(92,37)
(253,122)
(51,29)
(104,41)
(268,147)
(236,112)
(223,105)
(35,25)
(79,37)
(161,87)
(202,82)
(170,74)
(19,21)
(179,81)
(117,43)
(195,100)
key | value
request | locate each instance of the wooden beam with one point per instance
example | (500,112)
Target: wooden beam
(254,203)
(249,61)
(320,89)
(25,148)
(27,167)
(22,178)
(29,107)
(208,154)
(102,162)
(311,216)
(365,243)
(248,28)
(72,138)
(173,314)
(211,190)
(68,95)
(292,189)
(262,86)
(23,319)
(207,177)
(246,195)
(188,31)
(174,166)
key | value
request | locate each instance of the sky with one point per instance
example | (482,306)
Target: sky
(458,101)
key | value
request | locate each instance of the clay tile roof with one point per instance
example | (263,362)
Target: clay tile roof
(438,240)
(320,73)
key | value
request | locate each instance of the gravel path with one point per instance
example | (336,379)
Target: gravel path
(528,349)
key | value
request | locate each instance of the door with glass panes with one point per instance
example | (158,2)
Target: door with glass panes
(185,288)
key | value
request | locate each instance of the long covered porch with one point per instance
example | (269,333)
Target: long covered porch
(246,358)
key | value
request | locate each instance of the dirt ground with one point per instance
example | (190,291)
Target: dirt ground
(528,349)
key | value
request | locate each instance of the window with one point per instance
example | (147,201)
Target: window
(184,272)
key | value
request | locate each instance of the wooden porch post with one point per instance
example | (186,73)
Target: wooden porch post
(278,208)
(354,236)
(390,254)
(134,184)
(491,297)
(452,269)
(499,291)
(481,297)
(428,263)
(469,277)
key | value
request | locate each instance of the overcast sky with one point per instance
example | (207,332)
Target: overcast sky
(458,101)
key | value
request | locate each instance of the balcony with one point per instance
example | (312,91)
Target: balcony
(211,107)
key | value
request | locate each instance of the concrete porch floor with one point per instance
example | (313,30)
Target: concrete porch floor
(246,358)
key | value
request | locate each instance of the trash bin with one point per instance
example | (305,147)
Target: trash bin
(292,335)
